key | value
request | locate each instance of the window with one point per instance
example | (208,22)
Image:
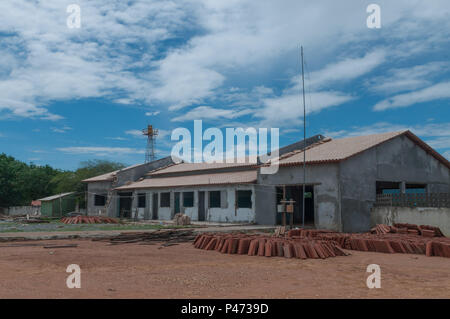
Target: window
(165,200)
(214,199)
(244,199)
(141,200)
(100,200)
(188,199)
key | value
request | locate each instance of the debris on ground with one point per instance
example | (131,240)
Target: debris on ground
(167,237)
(259,245)
(181,219)
(62,246)
(89,220)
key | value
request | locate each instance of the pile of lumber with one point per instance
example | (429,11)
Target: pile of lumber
(258,245)
(181,219)
(169,237)
(89,220)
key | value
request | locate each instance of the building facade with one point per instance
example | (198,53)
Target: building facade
(343,177)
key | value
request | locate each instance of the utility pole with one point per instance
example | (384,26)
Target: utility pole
(304,142)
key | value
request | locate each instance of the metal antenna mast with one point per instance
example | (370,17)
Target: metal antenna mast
(151,134)
(304,142)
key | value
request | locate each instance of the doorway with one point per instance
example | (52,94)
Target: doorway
(201,206)
(177,202)
(295,192)
(125,200)
(155,206)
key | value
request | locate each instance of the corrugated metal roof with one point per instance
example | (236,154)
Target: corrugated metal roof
(335,150)
(192,167)
(55,196)
(101,178)
(241,177)
(109,176)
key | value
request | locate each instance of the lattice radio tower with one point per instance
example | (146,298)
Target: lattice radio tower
(151,134)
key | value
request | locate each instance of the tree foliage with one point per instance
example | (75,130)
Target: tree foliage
(20,183)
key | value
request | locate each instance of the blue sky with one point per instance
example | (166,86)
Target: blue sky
(68,95)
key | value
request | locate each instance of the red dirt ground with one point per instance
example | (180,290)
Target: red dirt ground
(144,271)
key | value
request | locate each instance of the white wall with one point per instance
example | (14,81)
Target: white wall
(226,213)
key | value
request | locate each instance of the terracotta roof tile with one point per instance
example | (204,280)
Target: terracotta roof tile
(334,150)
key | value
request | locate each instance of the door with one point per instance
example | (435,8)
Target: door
(177,202)
(201,206)
(155,206)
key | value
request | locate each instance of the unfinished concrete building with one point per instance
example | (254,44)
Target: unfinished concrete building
(100,195)
(343,177)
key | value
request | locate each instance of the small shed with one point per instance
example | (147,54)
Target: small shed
(58,205)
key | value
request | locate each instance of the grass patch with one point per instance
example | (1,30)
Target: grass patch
(55,226)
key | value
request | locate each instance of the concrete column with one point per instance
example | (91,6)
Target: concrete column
(402,187)
(134,202)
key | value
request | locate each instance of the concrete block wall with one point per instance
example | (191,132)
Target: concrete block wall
(438,217)
(325,180)
(397,160)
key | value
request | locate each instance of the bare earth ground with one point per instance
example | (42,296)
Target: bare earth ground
(144,271)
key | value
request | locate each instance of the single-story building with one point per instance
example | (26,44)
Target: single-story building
(58,205)
(343,177)
(99,190)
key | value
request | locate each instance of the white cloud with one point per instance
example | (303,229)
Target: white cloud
(152,113)
(117,53)
(118,138)
(288,109)
(347,69)
(210,113)
(63,129)
(100,151)
(431,93)
(135,133)
(447,155)
(410,78)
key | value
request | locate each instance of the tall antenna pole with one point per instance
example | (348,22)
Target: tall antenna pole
(151,133)
(304,142)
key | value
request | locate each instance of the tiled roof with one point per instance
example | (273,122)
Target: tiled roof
(241,177)
(335,150)
(193,167)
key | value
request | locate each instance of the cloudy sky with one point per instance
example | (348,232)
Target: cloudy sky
(69,94)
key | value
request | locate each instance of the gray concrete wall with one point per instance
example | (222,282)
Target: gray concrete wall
(98,188)
(23,210)
(438,217)
(397,160)
(124,176)
(324,178)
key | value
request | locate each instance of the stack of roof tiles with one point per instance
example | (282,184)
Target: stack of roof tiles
(257,245)
(320,243)
(88,220)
